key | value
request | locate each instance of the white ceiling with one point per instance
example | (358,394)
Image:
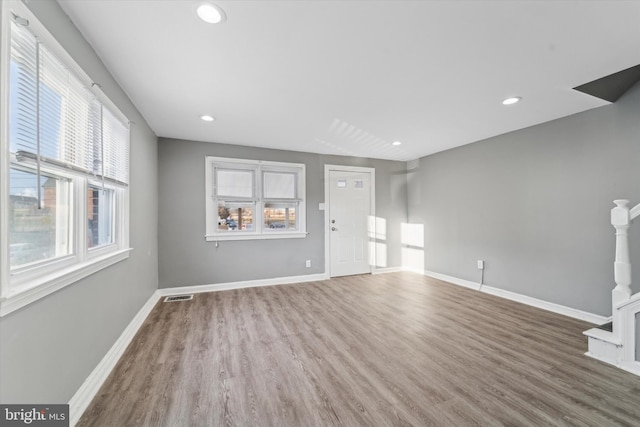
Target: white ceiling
(350,77)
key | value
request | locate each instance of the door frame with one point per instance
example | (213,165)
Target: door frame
(327,209)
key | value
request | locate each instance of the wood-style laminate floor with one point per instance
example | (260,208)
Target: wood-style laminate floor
(386,350)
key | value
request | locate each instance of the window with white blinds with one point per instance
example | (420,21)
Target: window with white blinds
(64,168)
(55,117)
(248,199)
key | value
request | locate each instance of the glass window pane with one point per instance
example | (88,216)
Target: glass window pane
(279,185)
(37,233)
(235,217)
(234,183)
(100,215)
(280,216)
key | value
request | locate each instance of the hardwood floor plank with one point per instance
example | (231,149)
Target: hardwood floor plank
(386,350)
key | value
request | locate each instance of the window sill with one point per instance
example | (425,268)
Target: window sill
(47,284)
(238,236)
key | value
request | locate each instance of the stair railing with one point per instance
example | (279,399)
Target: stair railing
(621,221)
(625,306)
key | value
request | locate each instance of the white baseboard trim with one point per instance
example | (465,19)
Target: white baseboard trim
(87,391)
(602,359)
(179,290)
(456,281)
(383,270)
(534,302)
(545,305)
(631,367)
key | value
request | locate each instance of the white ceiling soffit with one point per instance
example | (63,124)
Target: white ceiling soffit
(351,77)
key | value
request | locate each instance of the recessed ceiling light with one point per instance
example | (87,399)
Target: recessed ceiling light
(396,143)
(512,100)
(210,13)
(207,118)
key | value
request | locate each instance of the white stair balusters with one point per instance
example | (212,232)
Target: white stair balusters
(618,347)
(621,220)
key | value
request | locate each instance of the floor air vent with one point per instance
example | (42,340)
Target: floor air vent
(179,298)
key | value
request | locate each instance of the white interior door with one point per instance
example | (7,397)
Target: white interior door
(349,210)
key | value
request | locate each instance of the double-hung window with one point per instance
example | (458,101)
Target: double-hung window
(64,168)
(248,199)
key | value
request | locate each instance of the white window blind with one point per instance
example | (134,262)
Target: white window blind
(279,185)
(23,73)
(94,138)
(57,119)
(235,183)
(115,153)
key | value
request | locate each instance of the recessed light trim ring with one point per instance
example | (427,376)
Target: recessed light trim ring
(210,13)
(512,100)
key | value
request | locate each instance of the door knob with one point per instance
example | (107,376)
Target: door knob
(333,229)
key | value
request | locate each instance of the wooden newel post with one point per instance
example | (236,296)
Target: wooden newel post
(621,219)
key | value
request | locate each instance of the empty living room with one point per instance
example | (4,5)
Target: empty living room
(319,213)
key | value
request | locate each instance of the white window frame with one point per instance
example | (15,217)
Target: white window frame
(23,286)
(213,234)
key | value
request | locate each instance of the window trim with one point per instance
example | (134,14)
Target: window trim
(49,283)
(47,277)
(91,251)
(31,271)
(259,167)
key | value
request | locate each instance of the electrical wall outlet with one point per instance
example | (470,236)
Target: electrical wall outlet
(480,264)
(308,263)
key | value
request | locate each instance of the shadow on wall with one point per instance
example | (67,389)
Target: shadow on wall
(412,239)
(377,231)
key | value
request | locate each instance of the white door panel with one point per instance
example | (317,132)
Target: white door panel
(349,210)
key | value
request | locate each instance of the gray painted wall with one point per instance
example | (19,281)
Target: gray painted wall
(534,204)
(186,259)
(51,346)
